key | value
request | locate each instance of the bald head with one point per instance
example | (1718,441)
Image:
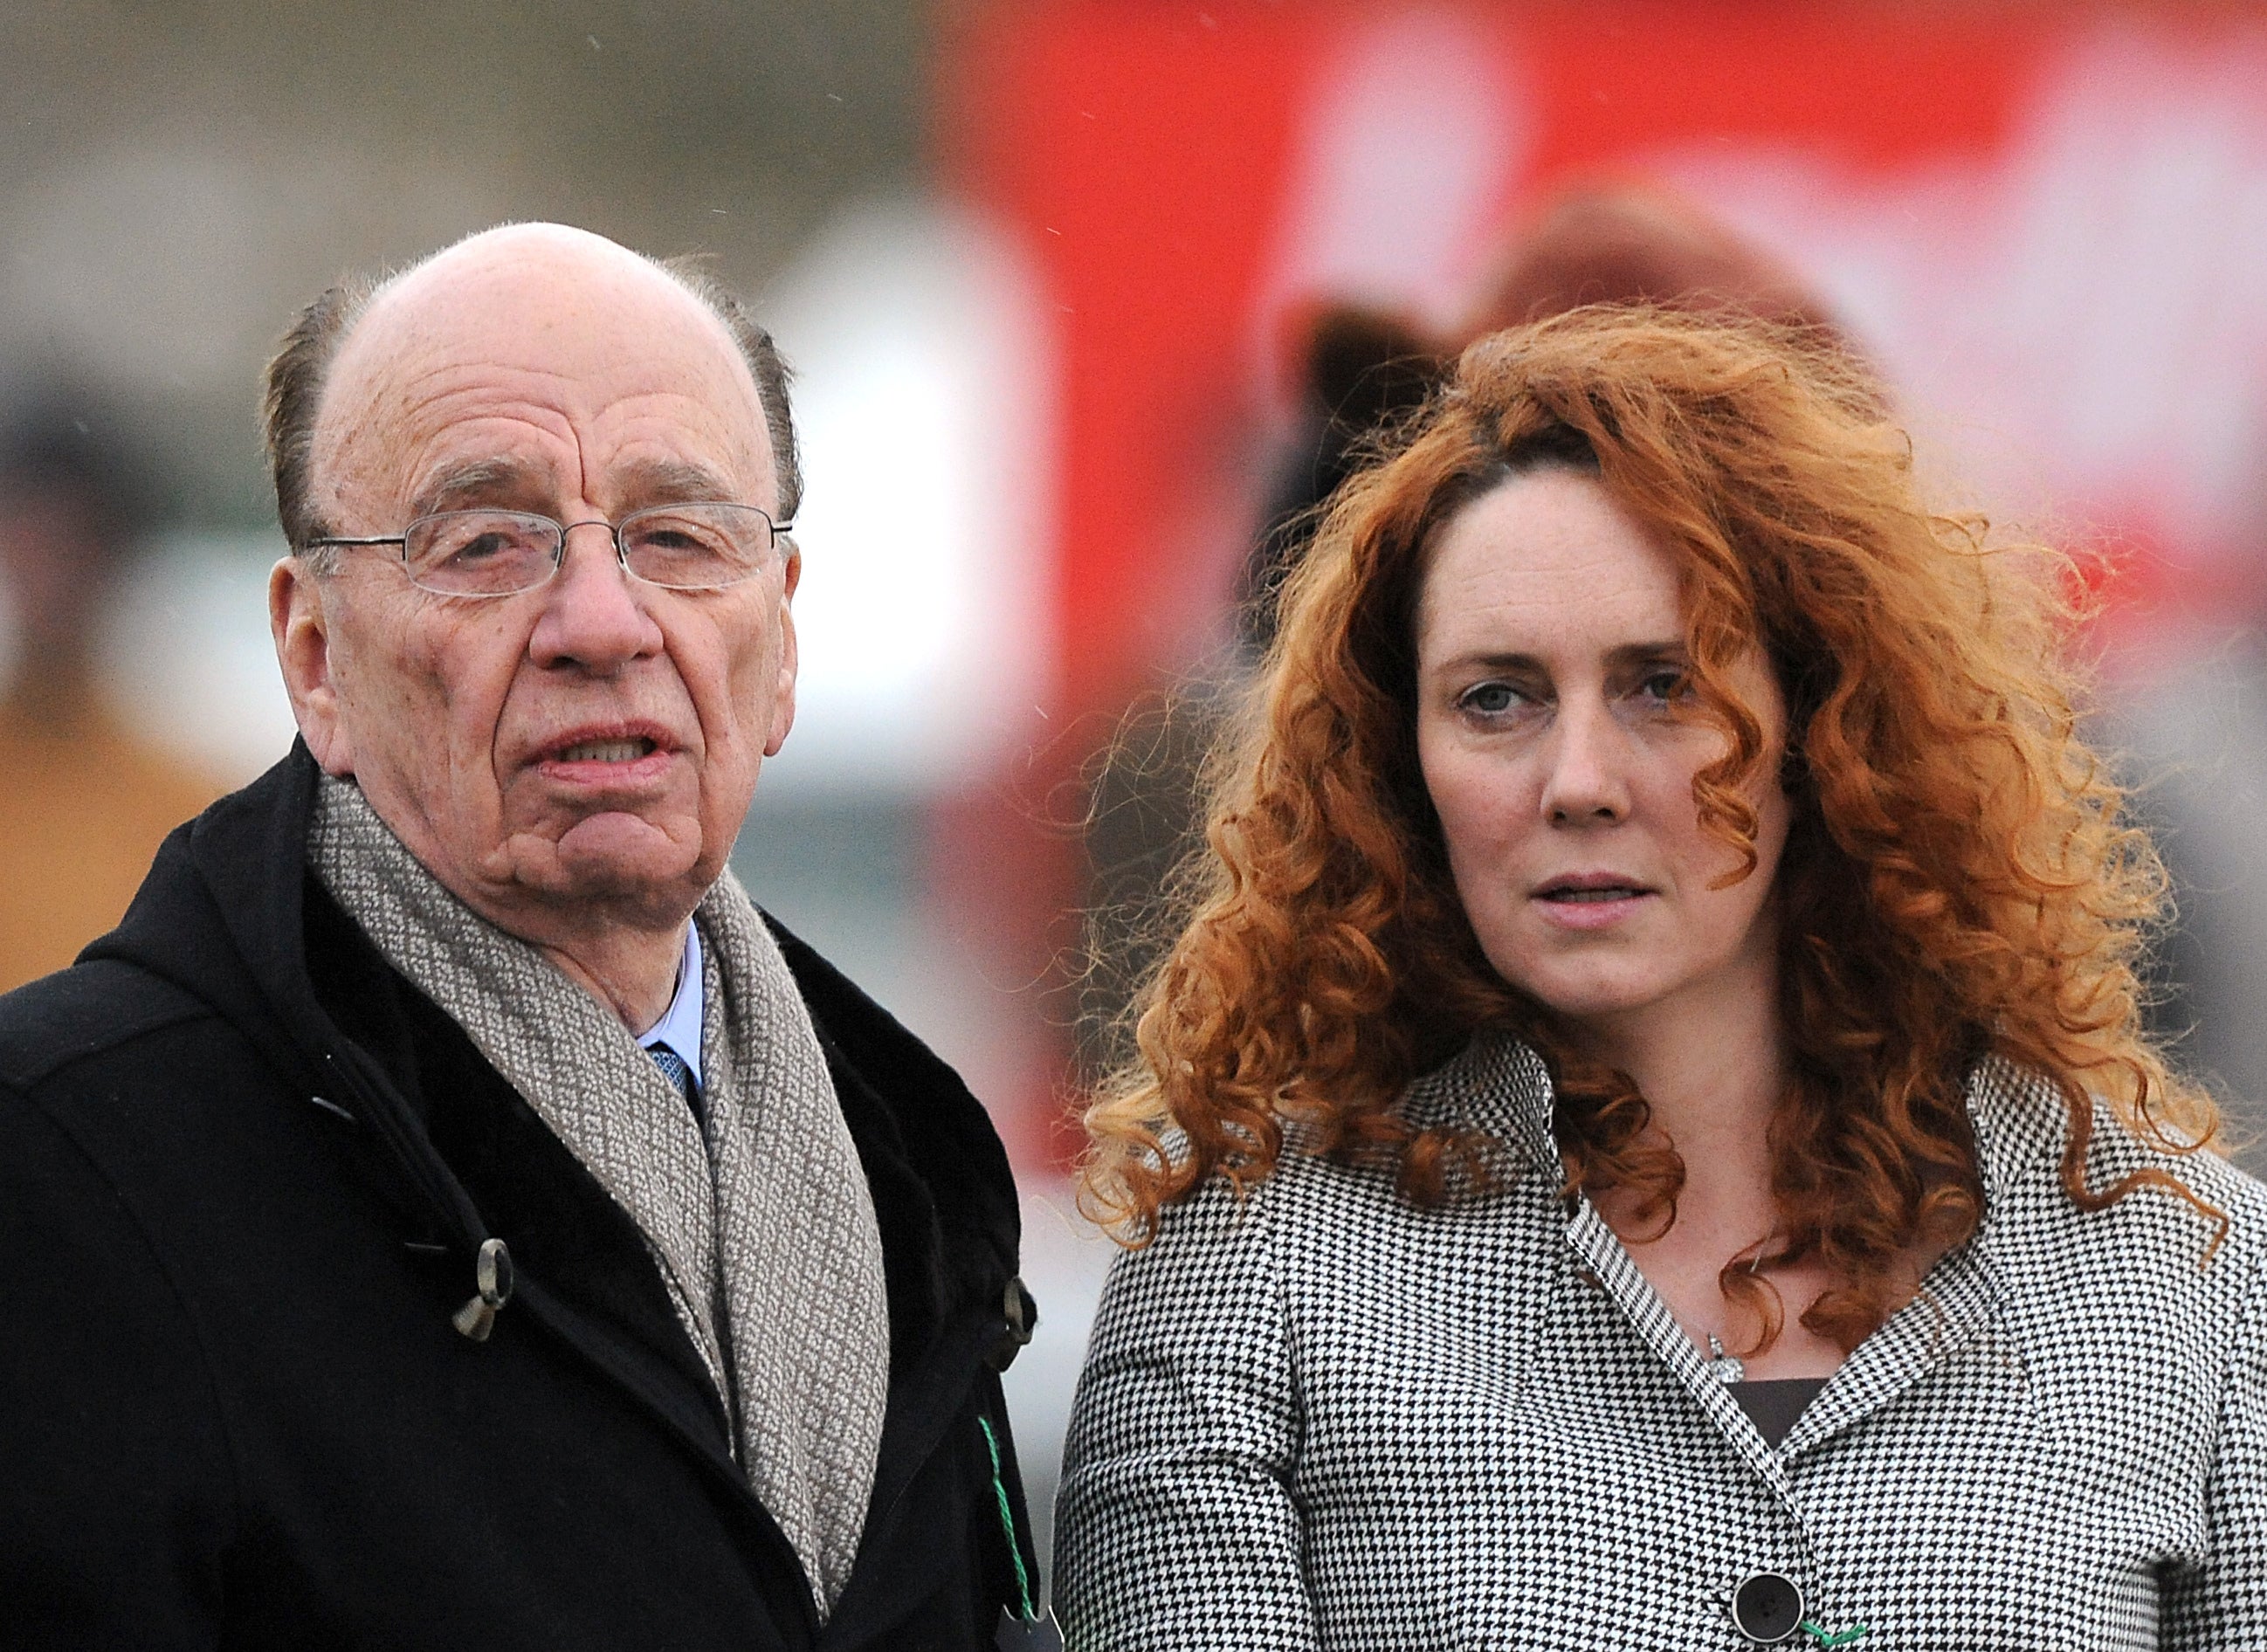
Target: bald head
(528,275)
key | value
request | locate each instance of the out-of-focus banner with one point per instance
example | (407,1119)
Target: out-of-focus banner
(2049,225)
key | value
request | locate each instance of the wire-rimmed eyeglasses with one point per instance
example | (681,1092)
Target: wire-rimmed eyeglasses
(705,546)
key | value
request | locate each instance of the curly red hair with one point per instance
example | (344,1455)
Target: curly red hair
(1959,880)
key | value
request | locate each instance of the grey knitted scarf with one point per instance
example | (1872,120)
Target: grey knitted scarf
(764,1231)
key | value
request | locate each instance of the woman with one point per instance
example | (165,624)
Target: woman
(1645,1141)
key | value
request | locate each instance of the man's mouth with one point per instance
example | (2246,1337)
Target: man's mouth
(604,750)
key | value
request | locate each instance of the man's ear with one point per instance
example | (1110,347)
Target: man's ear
(783,694)
(298,621)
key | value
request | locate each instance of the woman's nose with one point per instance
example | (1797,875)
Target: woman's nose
(1586,781)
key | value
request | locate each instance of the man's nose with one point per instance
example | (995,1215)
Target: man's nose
(1587,780)
(594,615)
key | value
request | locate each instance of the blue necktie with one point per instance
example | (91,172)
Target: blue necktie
(679,1074)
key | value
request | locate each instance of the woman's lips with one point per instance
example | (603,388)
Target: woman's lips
(1589,905)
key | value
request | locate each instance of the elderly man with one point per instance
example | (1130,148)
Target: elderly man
(446,1213)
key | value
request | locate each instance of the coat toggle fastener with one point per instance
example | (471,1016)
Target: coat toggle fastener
(492,1275)
(1019,1316)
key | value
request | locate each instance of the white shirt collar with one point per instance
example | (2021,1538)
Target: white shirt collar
(679,1026)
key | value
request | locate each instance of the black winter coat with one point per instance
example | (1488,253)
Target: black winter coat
(245,1170)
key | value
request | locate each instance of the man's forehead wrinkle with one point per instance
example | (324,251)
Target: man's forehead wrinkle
(436,388)
(473,465)
(541,353)
(410,387)
(398,448)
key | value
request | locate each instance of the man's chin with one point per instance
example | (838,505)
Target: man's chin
(620,861)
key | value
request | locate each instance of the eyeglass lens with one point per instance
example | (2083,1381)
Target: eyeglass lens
(494,553)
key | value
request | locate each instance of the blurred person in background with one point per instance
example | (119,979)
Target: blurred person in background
(86,802)
(1361,368)
(447,1213)
(1646,1136)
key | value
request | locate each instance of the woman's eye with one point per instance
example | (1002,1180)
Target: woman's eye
(1665,685)
(1489,699)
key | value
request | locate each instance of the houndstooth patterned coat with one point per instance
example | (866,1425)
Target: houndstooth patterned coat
(1330,1420)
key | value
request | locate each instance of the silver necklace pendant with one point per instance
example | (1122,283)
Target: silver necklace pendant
(1726,1368)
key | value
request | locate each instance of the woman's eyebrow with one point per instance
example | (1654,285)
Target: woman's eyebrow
(1619,656)
(1649,653)
(1484,661)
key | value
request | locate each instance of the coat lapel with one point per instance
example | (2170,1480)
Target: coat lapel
(1633,1295)
(1500,1085)
(1956,1305)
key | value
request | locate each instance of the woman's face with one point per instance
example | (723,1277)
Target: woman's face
(1559,738)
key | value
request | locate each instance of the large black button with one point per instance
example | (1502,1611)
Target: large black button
(1767,1608)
